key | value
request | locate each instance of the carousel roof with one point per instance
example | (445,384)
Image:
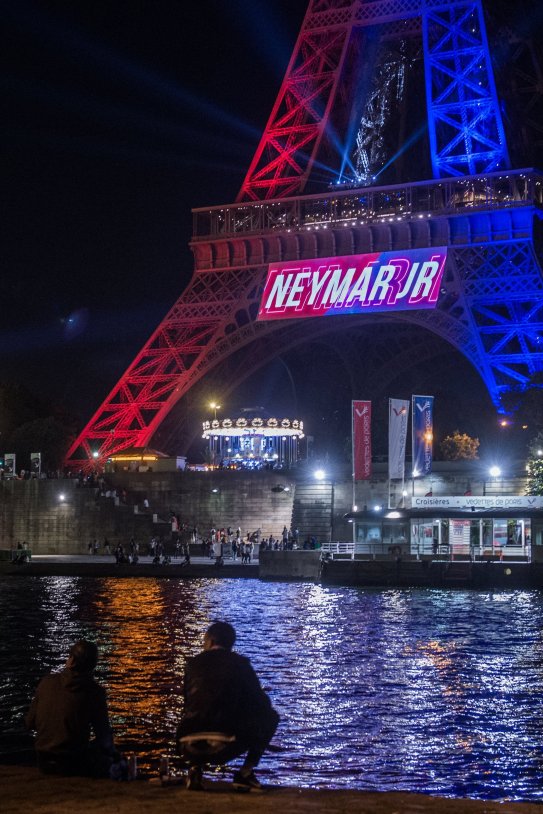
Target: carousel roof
(253,421)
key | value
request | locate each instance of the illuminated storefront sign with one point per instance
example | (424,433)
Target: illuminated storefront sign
(354,284)
(479,502)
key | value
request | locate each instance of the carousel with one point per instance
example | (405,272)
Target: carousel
(253,439)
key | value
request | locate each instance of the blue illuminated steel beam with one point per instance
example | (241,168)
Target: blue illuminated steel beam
(464,121)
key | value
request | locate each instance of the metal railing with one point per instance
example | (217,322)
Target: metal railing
(357,206)
(338,548)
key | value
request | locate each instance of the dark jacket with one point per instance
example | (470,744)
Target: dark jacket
(223,694)
(67,706)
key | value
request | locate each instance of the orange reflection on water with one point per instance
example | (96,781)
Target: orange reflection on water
(131,618)
(453,686)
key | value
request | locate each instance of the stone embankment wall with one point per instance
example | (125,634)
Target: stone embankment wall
(290,565)
(58,517)
(216,499)
(32,511)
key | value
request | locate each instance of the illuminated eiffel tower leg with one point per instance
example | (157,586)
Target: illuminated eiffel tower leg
(185,346)
(490,305)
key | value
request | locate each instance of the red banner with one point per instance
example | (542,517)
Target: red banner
(361,440)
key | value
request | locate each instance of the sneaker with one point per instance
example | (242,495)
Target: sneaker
(247,782)
(194,779)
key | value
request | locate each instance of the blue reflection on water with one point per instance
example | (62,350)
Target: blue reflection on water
(421,690)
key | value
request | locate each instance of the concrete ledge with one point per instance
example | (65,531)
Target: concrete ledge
(433,574)
(102,569)
(26,791)
(290,565)
(303,566)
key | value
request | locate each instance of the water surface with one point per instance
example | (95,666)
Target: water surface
(420,690)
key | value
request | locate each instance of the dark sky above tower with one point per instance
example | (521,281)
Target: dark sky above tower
(118,118)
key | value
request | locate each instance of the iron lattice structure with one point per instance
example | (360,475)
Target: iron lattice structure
(491,303)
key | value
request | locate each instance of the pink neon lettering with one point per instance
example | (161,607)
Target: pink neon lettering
(360,288)
(423,284)
(401,266)
(298,287)
(317,284)
(278,292)
(388,281)
(434,292)
(408,282)
(338,287)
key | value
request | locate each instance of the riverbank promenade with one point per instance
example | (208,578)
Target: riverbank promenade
(26,791)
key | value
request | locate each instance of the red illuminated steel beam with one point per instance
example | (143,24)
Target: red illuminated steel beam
(300,117)
(291,140)
(193,337)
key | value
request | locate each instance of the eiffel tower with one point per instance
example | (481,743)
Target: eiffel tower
(322,184)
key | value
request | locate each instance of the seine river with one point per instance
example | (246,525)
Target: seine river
(418,690)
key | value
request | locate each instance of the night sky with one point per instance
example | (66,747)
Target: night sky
(119,117)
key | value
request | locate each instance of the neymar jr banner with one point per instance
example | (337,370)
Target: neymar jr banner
(398,418)
(361,417)
(353,284)
(422,434)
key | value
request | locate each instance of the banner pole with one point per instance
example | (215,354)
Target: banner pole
(353,503)
(389,448)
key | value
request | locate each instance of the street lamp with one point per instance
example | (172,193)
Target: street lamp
(494,473)
(214,406)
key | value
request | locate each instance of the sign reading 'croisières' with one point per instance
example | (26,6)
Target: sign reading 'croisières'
(354,284)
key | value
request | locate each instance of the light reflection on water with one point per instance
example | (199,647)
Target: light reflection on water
(421,690)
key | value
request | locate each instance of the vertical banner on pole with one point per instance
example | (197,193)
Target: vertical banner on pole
(398,418)
(361,439)
(35,464)
(422,434)
(9,465)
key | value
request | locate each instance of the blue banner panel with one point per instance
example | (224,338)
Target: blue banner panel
(423,434)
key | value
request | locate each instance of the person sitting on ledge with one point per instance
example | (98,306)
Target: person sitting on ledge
(223,694)
(66,707)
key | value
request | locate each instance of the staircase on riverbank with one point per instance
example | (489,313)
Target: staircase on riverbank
(312,510)
(219,499)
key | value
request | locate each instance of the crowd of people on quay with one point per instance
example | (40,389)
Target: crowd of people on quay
(218,545)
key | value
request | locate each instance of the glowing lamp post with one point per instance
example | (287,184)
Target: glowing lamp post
(494,473)
(214,438)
